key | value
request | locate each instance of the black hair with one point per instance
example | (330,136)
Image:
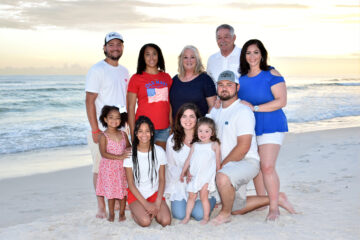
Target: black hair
(141,66)
(179,133)
(152,162)
(244,65)
(105,111)
(211,124)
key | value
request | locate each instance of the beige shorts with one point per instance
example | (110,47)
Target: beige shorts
(240,174)
(95,153)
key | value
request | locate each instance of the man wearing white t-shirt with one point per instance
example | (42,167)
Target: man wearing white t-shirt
(228,58)
(235,124)
(106,84)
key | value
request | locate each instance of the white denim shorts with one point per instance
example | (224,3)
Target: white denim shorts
(270,138)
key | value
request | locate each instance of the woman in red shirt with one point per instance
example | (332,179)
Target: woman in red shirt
(149,87)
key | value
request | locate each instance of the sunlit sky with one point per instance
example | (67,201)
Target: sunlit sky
(303,38)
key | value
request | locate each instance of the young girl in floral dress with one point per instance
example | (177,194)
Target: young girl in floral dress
(111,182)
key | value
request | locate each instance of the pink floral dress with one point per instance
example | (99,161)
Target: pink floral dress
(111,181)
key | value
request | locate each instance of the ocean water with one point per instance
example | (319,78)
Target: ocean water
(43,112)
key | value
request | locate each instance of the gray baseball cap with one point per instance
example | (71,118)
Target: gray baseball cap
(227,75)
(113,35)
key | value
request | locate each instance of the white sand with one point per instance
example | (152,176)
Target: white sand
(319,171)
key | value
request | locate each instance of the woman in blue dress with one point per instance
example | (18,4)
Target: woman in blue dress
(263,89)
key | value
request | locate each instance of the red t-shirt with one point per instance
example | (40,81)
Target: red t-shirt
(152,91)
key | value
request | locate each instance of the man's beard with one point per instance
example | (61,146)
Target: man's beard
(112,57)
(227,97)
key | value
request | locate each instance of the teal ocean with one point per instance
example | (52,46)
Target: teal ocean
(42,112)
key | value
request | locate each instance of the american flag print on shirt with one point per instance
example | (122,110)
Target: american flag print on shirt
(157,94)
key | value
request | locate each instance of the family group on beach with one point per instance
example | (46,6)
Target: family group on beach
(197,139)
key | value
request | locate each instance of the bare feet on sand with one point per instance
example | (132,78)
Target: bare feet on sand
(111,217)
(122,217)
(204,221)
(101,213)
(284,203)
(185,221)
(274,214)
(220,219)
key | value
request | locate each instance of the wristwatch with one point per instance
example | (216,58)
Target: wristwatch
(256,108)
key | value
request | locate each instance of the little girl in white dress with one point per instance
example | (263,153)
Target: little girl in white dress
(204,161)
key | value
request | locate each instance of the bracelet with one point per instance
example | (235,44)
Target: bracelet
(95,132)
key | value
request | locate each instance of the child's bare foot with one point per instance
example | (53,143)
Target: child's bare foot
(101,213)
(284,203)
(185,221)
(204,221)
(273,215)
(111,217)
(122,217)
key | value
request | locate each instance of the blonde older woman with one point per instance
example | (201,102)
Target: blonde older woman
(192,84)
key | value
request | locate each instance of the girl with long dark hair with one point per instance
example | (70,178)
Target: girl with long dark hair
(145,172)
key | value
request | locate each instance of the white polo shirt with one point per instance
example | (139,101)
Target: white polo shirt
(217,63)
(231,122)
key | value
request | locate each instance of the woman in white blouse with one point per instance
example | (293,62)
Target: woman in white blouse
(177,150)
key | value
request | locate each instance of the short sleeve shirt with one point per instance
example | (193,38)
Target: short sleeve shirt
(109,83)
(231,122)
(145,187)
(152,92)
(195,91)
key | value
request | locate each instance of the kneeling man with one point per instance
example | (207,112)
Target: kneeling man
(240,160)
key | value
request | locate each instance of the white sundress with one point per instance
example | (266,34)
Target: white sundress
(202,168)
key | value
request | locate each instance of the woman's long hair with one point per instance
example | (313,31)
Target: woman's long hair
(244,65)
(179,133)
(152,160)
(141,66)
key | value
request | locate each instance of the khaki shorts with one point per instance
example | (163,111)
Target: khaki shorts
(95,153)
(240,174)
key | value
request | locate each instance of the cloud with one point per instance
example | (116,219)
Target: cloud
(83,14)
(348,6)
(262,6)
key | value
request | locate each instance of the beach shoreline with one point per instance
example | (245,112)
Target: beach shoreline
(319,171)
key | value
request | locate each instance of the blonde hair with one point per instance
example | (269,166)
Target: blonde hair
(199,67)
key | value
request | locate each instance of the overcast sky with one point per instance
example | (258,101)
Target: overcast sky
(66,36)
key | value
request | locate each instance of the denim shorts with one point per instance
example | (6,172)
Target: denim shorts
(162,135)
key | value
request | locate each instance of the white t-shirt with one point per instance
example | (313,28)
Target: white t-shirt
(110,83)
(231,122)
(217,63)
(145,187)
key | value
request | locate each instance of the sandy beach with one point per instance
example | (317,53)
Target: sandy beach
(319,171)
